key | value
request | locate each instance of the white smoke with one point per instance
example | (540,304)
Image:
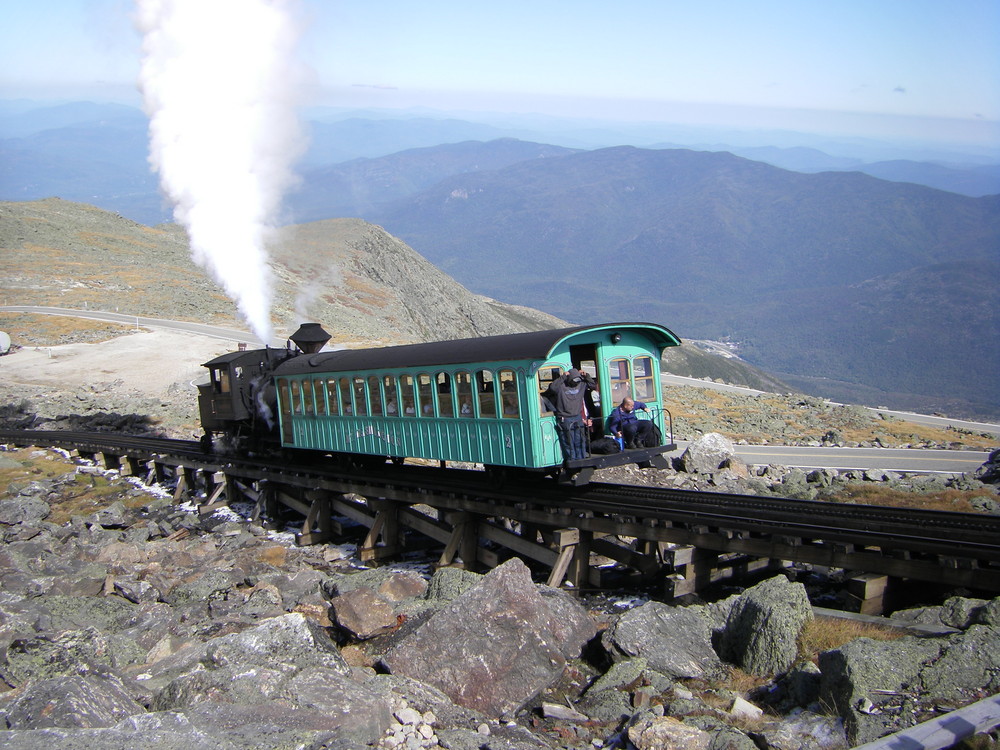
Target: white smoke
(219,80)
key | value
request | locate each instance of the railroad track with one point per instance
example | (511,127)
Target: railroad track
(945,547)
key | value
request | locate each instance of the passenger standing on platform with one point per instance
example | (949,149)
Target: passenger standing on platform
(566,394)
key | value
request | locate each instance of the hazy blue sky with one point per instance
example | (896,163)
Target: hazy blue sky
(879,64)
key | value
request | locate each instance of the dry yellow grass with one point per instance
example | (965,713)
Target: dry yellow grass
(825,633)
(959,501)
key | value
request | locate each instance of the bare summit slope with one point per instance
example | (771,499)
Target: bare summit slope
(361,283)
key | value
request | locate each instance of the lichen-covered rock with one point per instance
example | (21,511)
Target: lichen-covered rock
(762,629)
(854,672)
(969,663)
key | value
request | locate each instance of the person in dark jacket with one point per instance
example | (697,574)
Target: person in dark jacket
(623,423)
(566,395)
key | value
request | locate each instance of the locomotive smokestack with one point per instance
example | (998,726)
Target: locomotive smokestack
(310,338)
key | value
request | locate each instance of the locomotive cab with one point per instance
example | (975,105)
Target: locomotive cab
(238,401)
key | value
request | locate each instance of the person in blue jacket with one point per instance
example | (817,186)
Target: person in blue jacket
(624,424)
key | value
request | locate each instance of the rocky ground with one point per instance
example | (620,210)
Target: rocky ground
(129,621)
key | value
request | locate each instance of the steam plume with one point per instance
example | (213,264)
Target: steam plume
(218,79)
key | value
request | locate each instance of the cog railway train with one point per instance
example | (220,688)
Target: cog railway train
(475,400)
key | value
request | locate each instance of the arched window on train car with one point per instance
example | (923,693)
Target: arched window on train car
(425,386)
(332,398)
(508,394)
(446,407)
(545,377)
(644,379)
(408,395)
(621,380)
(391,396)
(375,395)
(308,402)
(486,393)
(296,399)
(463,393)
(345,397)
(360,400)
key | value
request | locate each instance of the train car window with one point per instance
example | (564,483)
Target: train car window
(508,394)
(426,388)
(319,388)
(645,381)
(621,380)
(390,395)
(223,380)
(589,366)
(285,404)
(284,397)
(545,377)
(463,390)
(487,394)
(308,402)
(296,399)
(332,399)
(407,386)
(446,407)
(360,402)
(345,397)
(375,395)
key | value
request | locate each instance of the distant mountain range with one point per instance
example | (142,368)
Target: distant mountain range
(97,152)
(841,283)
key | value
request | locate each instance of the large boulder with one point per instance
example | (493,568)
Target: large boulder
(707,454)
(676,641)
(496,646)
(762,629)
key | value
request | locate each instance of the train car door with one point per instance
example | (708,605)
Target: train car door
(547,451)
(584,358)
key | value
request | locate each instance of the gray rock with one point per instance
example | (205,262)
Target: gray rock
(707,454)
(969,662)
(674,640)
(447,584)
(23,509)
(853,672)
(762,630)
(83,701)
(802,731)
(961,612)
(494,647)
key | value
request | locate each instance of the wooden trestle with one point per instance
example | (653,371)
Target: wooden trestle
(474,534)
(573,548)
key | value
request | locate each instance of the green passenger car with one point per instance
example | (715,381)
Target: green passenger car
(470,400)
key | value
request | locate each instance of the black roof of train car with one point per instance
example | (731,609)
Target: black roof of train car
(534,345)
